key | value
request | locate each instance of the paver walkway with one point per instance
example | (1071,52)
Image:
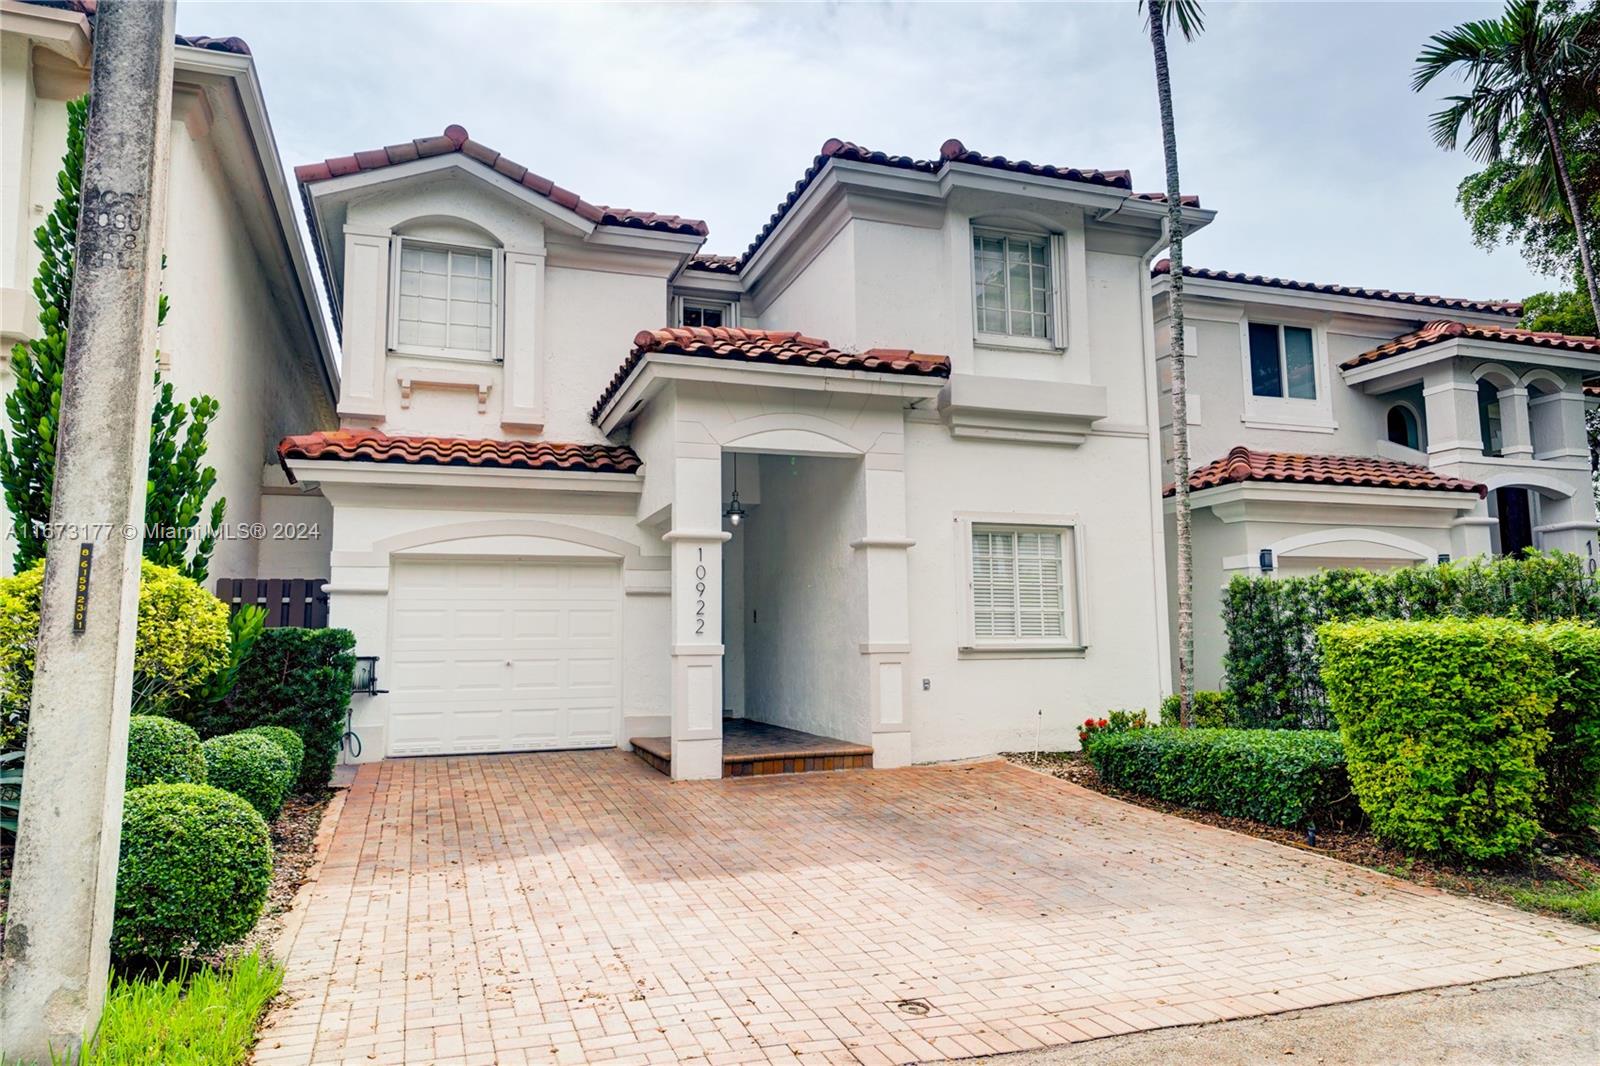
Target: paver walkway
(580,907)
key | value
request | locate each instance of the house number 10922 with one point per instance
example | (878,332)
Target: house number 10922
(700,592)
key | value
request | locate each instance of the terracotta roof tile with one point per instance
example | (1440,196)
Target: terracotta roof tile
(87,8)
(1242,464)
(374,447)
(782,347)
(1497,307)
(715,264)
(455,139)
(952,151)
(1443,330)
(1592,389)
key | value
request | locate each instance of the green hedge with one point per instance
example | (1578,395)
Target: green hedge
(296,678)
(1210,710)
(162,751)
(1274,776)
(1273,660)
(288,742)
(252,767)
(1443,724)
(194,870)
(1571,764)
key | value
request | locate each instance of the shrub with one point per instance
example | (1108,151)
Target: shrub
(1116,722)
(252,767)
(194,870)
(1571,763)
(182,640)
(288,740)
(298,678)
(1443,725)
(1279,777)
(162,751)
(1208,709)
(1273,660)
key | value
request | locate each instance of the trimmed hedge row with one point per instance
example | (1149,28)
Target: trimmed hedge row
(163,751)
(1273,659)
(296,678)
(1447,728)
(1280,777)
(252,767)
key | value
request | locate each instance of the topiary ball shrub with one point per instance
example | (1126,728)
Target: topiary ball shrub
(195,866)
(288,740)
(1444,729)
(252,767)
(162,751)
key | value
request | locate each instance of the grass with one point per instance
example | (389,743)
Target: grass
(1579,904)
(206,1017)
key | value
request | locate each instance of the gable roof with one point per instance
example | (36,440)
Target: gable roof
(1414,299)
(369,445)
(781,347)
(1243,464)
(455,139)
(1443,330)
(951,151)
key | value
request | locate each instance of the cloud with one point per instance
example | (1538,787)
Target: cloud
(1295,121)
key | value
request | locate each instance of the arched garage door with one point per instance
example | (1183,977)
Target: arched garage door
(512,655)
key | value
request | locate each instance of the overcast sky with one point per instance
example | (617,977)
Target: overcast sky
(1296,122)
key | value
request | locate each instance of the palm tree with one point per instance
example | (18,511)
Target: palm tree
(1531,61)
(1162,15)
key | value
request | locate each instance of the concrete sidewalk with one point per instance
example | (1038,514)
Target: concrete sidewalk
(1550,1019)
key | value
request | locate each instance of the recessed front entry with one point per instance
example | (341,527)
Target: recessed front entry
(504,656)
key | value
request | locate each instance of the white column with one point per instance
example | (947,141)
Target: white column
(1516,437)
(696,540)
(1454,434)
(888,638)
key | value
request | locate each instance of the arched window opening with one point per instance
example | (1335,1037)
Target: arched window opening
(1489,416)
(1403,428)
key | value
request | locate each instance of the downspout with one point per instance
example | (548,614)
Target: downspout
(1153,420)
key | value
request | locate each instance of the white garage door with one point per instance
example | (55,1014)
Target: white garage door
(503,656)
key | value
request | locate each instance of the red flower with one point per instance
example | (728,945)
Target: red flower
(1102,723)
(1088,722)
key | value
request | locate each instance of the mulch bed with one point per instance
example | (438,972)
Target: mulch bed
(1552,865)
(294,839)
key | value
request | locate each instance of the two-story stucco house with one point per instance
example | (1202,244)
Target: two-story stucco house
(245,325)
(1340,426)
(887,477)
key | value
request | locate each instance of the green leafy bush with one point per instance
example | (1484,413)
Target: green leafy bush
(286,739)
(298,678)
(1443,724)
(195,865)
(1571,763)
(252,767)
(162,751)
(182,640)
(1280,777)
(1209,709)
(1273,659)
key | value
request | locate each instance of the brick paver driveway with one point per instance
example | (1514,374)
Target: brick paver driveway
(580,907)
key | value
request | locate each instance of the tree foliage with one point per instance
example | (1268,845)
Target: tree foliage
(178,482)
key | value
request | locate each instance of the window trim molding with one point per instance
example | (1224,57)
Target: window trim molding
(497,282)
(1284,412)
(1055,340)
(1416,422)
(1074,601)
(730,315)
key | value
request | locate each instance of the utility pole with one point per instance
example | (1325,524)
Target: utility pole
(63,888)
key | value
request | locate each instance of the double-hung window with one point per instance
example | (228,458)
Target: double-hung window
(707,313)
(1021,586)
(447,300)
(1013,288)
(1283,362)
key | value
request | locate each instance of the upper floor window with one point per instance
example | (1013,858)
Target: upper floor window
(1489,417)
(447,300)
(1283,362)
(708,313)
(1013,288)
(1403,428)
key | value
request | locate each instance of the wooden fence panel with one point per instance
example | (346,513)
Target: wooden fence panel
(295,601)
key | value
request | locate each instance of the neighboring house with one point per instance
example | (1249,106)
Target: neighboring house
(245,325)
(1338,426)
(550,409)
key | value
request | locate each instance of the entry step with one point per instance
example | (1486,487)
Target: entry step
(751,748)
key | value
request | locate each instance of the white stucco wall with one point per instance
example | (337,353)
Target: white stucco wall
(804,598)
